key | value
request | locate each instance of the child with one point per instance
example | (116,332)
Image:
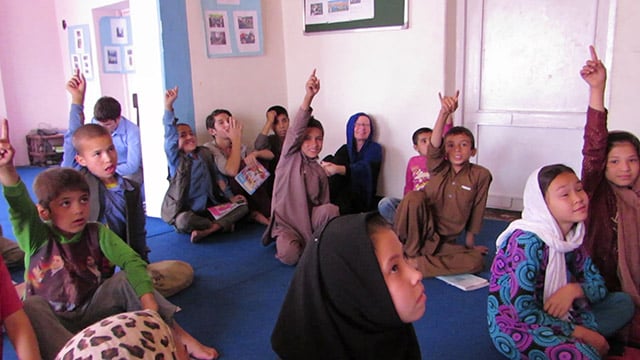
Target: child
(14,319)
(107,113)
(195,182)
(57,230)
(353,171)
(417,173)
(278,122)
(300,203)
(353,296)
(231,156)
(115,201)
(546,297)
(429,221)
(610,173)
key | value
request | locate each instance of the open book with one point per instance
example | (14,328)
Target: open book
(466,282)
(219,211)
(251,178)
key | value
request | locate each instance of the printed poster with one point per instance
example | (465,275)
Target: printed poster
(232,27)
(335,11)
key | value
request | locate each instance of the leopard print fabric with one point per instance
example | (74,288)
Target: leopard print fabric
(131,335)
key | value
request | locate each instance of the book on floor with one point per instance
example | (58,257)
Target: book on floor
(219,211)
(251,178)
(466,282)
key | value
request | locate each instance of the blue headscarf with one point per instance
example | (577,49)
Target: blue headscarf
(363,180)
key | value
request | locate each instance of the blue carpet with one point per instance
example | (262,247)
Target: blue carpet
(239,286)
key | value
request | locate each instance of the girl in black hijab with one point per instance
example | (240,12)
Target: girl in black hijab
(353,296)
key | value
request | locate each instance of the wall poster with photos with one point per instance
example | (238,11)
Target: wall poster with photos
(232,27)
(80,50)
(117,46)
(348,15)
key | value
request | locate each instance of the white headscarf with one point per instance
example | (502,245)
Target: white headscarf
(537,218)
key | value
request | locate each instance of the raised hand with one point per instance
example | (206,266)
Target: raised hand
(271,118)
(593,71)
(235,130)
(170,97)
(449,104)
(77,87)
(312,87)
(6,150)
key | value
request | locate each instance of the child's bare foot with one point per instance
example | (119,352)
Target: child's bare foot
(202,352)
(197,235)
(259,218)
(195,348)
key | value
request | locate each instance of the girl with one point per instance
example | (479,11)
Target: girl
(360,296)
(231,156)
(546,298)
(353,170)
(610,168)
(301,191)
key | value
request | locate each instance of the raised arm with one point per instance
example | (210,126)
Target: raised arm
(296,131)
(171,148)
(595,75)
(233,161)
(77,87)
(448,106)
(8,174)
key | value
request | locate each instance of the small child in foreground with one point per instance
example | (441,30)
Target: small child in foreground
(69,261)
(360,296)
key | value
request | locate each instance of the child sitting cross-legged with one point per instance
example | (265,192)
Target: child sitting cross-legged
(195,182)
(70,281)
(547,299)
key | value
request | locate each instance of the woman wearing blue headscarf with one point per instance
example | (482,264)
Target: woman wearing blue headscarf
(353,170)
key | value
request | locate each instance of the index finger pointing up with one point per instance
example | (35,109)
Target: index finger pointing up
(4,134)
(594,56)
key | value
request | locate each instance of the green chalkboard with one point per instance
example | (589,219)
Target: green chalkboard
(387,13)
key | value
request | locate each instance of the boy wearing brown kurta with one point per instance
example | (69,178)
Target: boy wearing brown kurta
(429,221)
(300,204)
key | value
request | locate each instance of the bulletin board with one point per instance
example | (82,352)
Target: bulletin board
(232,27)
(388,14)
(117,44)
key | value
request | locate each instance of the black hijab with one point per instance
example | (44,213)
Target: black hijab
(338,305)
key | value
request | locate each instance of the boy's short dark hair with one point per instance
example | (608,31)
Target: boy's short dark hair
(617,137)
(106,108)
(280,110)
(210,121)
(461,130)
(52,182)
(88,132)
(419,132)
(314,123)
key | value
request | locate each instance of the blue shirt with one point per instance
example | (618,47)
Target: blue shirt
(126,140)
(115,208)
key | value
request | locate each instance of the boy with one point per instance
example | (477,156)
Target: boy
(114,200)
(195,182)
(429,221)
(301,190)
(106,113)
(75,297)
(417,174)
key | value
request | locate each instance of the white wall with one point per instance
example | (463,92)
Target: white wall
(246,86)
(393,75)
(31,66)
(624,75)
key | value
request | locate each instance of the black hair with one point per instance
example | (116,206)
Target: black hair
(279,110)
(618,137)
(314,123)
(418,132)
(106,108)
(461,130)
(88,132)
(548,173)
(52,182)
(210,121)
